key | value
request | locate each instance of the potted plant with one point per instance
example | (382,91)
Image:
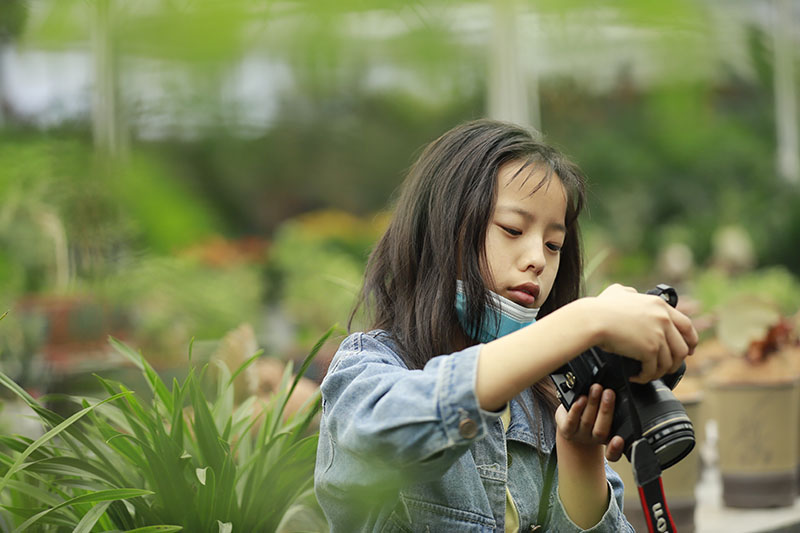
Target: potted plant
(175,458)
(756,406)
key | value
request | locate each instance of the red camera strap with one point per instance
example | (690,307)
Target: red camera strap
(647,473)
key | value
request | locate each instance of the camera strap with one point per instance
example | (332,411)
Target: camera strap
(542,517)
(647,474)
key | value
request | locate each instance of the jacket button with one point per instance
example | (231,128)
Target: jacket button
(467,428)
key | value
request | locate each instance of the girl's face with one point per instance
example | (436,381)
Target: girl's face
(525,235)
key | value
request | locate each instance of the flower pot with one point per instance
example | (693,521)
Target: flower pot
(792,355)
(680,479)
(757,409)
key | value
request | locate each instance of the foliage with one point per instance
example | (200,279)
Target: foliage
(317,261)
(66,215)
(175,460)
(33,178)
(170,296)
(774,286)
(166,213)
(675,162)
(347,149)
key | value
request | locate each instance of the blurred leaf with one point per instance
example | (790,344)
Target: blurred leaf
(740,324)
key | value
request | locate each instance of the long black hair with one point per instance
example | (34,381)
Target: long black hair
(438,232)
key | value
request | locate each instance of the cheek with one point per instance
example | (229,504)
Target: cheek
(552,271)
(494,252)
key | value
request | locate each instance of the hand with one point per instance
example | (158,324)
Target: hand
(588,422)
(646,328)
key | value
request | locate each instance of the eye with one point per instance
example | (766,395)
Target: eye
(553,247)
(511,231)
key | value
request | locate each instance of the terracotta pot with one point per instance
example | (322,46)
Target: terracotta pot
(792,355)
(757,409)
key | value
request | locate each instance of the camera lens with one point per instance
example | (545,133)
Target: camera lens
(665,423)
(672,438)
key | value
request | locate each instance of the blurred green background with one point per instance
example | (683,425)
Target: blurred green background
(172,169)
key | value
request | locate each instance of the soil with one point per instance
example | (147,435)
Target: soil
(778,368)
(707,355)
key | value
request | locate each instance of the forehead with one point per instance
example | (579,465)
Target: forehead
(516,180)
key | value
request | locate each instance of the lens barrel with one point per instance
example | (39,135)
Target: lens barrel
(664,422)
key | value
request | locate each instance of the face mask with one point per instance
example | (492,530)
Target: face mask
(501,316)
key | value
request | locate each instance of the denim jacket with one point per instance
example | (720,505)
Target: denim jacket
(410,450)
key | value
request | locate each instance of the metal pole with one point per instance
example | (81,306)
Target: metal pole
(788,160)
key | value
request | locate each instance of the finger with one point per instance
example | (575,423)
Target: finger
(590,411)
(605,416)
(615,448)
(561,415)
(665,360)
(573,418)
(686,328)
(649,369)
(677,347)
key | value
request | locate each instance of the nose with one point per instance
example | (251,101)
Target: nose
(534,258)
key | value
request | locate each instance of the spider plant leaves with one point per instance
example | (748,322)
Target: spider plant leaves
(183,457)
(91,518)
(19,463)
(98,496)
(155,529)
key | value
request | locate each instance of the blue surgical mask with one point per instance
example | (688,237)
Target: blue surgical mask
(501,317)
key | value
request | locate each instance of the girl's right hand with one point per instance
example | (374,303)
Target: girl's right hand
(646,328)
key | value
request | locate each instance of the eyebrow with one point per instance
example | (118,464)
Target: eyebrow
(527,215)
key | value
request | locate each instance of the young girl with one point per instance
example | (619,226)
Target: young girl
(442,418)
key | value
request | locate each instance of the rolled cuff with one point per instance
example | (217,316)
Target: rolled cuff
(613,521)
(462,417)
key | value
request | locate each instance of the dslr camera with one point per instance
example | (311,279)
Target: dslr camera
(648,410)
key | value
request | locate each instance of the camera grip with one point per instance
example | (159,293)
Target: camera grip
(632,367)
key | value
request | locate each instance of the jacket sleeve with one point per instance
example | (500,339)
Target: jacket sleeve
(383,417)
(613,520)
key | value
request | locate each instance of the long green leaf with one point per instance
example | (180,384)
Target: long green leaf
(16,389)
(91,517)
(207,436)
(284,398)
(69,466)
(99,496)
(155,529)
(29,489)
(244,366)
(50,435)
(56,518)
(129,353)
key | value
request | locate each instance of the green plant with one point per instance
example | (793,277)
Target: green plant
(317,262)
(169,297)
(774,286)
(174,461)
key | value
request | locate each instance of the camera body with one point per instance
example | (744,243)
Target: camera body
(648,410)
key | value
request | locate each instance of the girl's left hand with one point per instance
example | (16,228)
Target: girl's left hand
(588,422)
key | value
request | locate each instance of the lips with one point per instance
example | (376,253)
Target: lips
(524,294)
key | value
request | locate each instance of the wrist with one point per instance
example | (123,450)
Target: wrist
(579,452)
(592,318)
